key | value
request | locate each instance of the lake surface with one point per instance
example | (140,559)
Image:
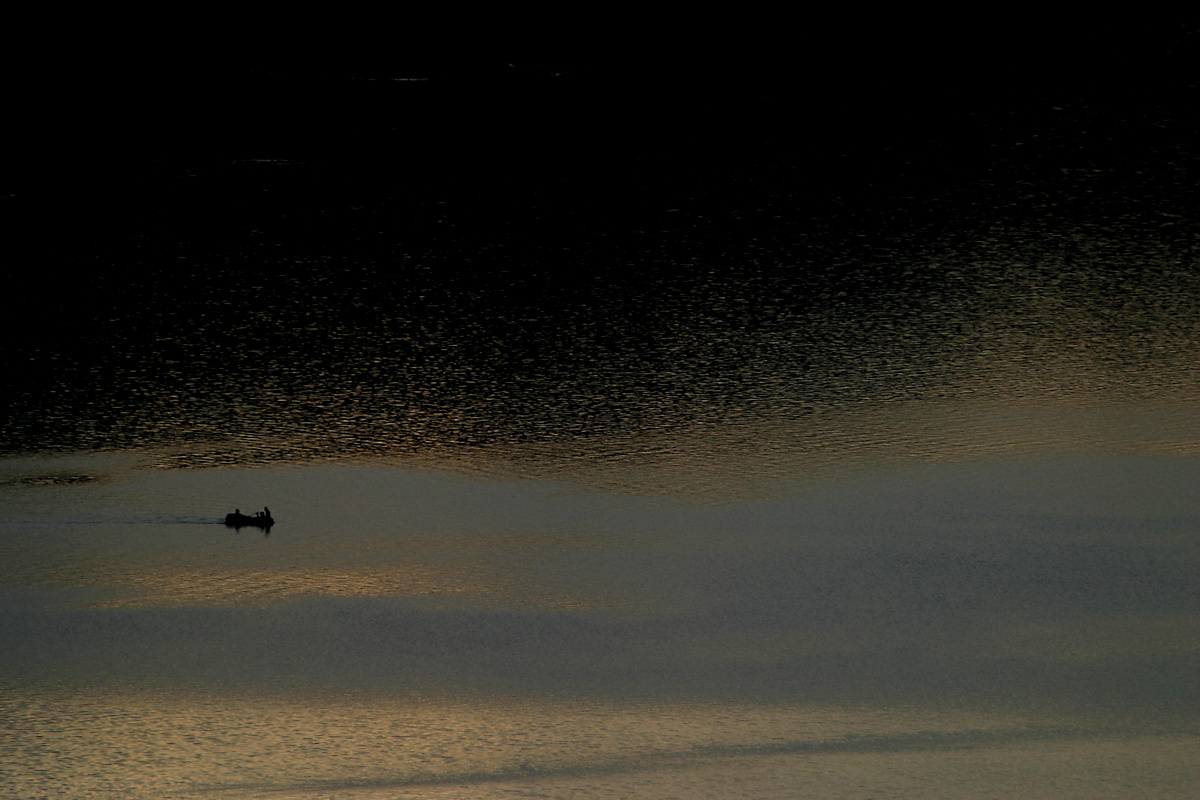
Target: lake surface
(753,464)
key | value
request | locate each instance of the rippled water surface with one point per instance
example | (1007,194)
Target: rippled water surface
(765,463)
(774,342)
(359,747)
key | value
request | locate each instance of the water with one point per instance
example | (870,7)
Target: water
(648,470)
(378,747)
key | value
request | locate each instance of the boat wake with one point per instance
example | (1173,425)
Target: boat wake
(157,519)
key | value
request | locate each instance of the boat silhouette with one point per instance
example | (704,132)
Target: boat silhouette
(261,519)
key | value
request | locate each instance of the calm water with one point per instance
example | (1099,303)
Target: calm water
(819,466)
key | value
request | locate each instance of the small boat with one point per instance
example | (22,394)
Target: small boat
(237,519)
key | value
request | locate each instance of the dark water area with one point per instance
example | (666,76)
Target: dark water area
(327,261)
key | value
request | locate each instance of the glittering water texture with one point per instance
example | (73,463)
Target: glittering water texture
(791,337)
(197,746)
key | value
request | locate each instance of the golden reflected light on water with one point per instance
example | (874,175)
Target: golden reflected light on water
(209,744)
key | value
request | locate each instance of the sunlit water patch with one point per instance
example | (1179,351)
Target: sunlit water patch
(188,745)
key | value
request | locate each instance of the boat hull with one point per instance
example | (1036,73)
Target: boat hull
(243,521)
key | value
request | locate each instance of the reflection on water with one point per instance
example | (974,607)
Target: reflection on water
(790,339)
(1067,583)
(212,745)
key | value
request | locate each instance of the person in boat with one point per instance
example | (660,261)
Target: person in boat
(266,512)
